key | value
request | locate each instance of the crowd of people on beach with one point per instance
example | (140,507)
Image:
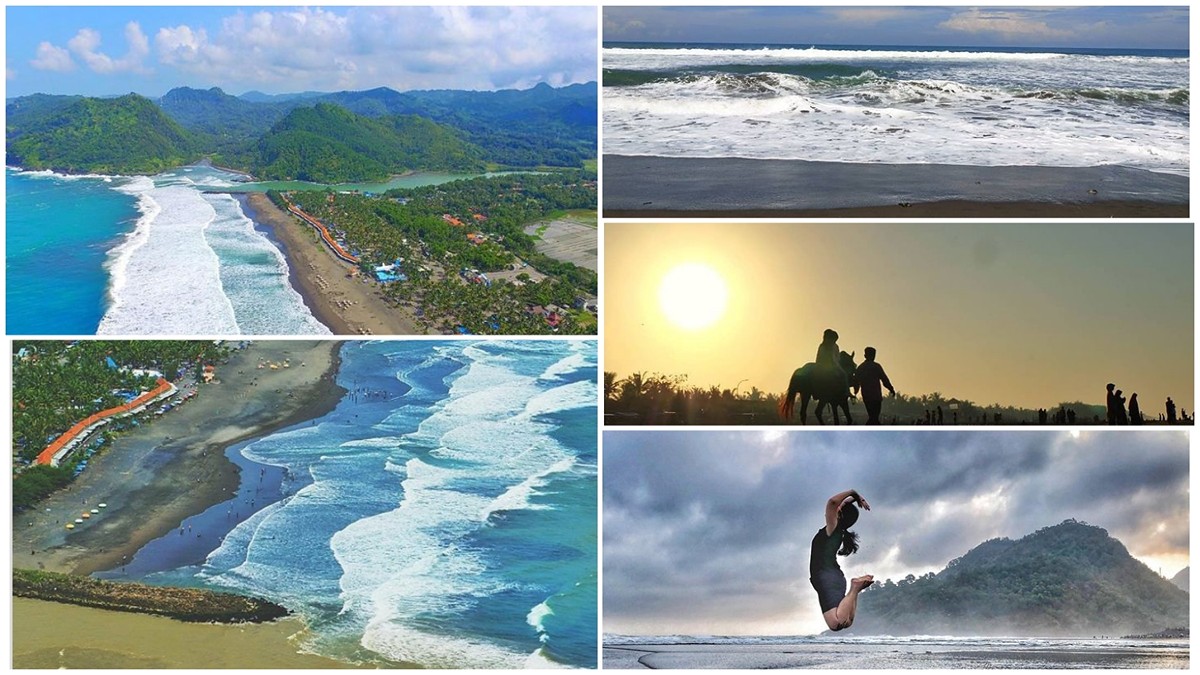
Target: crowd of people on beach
(1120,415)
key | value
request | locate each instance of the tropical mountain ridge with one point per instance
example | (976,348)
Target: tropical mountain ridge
(337,137)
(1071,579)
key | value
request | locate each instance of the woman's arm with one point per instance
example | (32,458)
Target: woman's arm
(834,505)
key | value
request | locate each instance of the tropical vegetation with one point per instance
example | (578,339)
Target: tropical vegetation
(330,138)
(657,398)
(56,384)
(449,238)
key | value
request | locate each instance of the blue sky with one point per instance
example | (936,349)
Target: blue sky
(115,50)
(1108,27)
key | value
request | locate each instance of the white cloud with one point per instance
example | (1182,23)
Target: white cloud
(180,45)
(9,73)
(52,58)
(869,16)
(398,47)
(1009,24)
(86,45)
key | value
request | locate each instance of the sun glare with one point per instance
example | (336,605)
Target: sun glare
(692,296)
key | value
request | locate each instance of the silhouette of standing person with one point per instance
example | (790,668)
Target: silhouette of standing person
(1111,403)
(837,607)
(1170,411)
(1135,411)
(1122,418)
(870,376)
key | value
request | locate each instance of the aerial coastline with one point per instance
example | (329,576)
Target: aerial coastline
(347,306)
(163,472)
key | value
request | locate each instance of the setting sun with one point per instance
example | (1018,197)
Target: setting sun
(692,296)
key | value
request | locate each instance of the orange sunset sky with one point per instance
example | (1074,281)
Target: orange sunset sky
(1028,315)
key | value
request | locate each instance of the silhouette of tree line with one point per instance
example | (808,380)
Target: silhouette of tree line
(659,399)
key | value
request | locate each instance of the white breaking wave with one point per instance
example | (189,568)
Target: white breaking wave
(194,264)
(913,122)
(517,497)
(165,276)
(254,274)
(409,562)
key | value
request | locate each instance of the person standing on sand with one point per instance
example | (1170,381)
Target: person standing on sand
(1119,399)
(870,376)
(1135,411)
(1170,411)
(1111,404)
(826,576)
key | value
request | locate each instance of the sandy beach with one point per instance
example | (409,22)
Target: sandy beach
(97,638)
(637,187)
(347,306)
(154,477)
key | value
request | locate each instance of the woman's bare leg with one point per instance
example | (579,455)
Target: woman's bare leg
(842,616)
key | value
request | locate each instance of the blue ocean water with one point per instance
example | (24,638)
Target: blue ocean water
(143,255)
(58,232)
(443,514)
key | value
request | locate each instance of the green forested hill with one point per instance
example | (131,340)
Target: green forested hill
(1069,579)
(542,125)
(327,143)
(345,136)
(126,135)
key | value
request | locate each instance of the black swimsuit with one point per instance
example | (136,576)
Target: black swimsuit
(823,570)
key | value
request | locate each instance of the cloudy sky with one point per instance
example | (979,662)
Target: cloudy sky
(1109,27)
(708,532)
(115,50)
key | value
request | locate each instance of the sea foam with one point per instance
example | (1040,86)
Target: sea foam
(165,276)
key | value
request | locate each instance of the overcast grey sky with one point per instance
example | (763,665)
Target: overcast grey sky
(1142,27)
(708,532)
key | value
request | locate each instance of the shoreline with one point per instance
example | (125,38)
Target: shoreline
(157,476)
(877,655)
(939,209)
(346,306)
(637,186)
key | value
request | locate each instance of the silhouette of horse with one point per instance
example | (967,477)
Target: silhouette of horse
(806,382)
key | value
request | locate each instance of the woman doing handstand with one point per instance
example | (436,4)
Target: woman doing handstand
(826,576)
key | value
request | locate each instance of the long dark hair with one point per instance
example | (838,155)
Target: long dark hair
(846,519)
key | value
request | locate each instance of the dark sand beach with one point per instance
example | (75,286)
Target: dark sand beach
(919,655)
(639,187)
(154,477)
(347,306)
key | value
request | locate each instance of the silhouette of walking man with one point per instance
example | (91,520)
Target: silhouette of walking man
(1111,403)
(870,376)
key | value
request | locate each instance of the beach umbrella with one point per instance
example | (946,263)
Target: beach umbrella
(103,505)
(70,526)
(85,515)
(79,520)
(95,510)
